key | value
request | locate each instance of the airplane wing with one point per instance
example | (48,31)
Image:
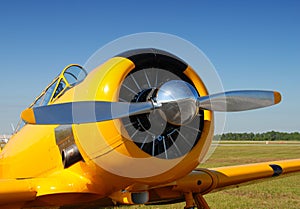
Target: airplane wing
(202,181)
(234,175)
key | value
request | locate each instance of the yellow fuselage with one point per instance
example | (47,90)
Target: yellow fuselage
(108,154)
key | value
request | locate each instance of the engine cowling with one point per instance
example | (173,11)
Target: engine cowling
(145,147)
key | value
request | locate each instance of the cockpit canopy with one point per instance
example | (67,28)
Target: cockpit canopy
(69,77)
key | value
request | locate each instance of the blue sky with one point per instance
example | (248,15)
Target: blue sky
(253,45)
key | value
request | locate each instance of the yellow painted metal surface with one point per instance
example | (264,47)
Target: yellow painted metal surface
(12,190)
(30,153)
(203,180)
(232,175)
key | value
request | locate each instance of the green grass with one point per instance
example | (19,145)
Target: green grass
(280,193)
(277,193)
(235,155)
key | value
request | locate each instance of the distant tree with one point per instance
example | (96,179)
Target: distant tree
(267,136)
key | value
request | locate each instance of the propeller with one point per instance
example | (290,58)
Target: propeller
(177,101)
(83,112)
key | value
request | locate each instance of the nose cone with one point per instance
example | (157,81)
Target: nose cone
(178,100)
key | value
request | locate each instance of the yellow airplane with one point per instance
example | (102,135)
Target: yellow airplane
(132,131)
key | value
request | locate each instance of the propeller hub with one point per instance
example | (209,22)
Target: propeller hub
(178,101)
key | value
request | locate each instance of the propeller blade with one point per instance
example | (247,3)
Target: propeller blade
(178,101)
(83,112)
(233,101)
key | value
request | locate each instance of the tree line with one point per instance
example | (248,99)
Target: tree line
(267,136)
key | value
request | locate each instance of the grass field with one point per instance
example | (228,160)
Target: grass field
(276,193)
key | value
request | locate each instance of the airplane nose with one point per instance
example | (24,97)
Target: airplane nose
(179,102)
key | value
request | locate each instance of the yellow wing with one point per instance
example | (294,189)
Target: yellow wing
(202,181)
(233,175)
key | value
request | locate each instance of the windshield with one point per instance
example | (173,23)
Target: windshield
(69,77)
(46,95)
(74,74)
(20,125)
